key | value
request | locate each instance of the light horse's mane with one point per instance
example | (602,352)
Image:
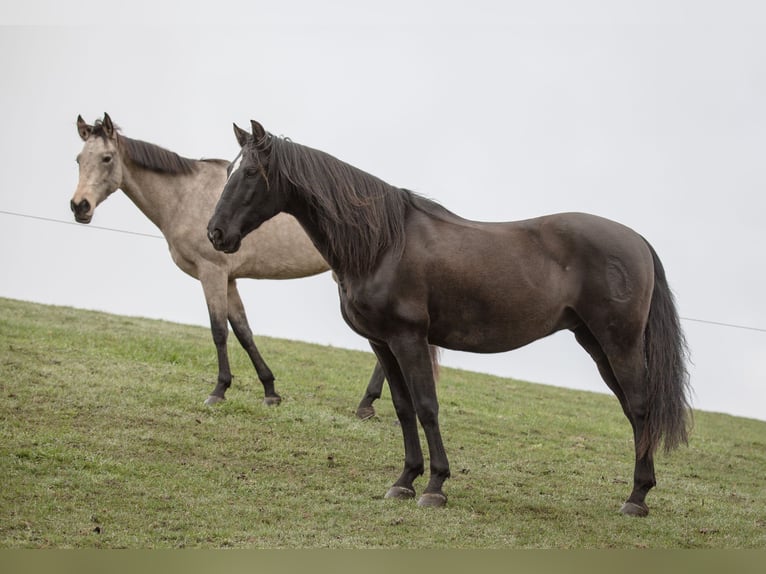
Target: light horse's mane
(151,156)
(361,215)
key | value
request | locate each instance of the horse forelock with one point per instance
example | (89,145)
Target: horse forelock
(98,129)
(234,165)
(360,215)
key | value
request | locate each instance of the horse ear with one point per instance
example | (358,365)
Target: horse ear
(108,126)
(83,129)
(258,132)
(241,135)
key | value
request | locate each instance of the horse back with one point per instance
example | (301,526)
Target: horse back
(489,287)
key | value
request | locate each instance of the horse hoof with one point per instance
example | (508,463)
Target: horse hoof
(365,413)
(272,401)
(400,493)
(213,400)
(633,509)
(432,500)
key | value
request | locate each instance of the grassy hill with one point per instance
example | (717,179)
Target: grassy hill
(106,443)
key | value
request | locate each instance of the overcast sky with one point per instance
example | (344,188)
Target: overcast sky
(650,113)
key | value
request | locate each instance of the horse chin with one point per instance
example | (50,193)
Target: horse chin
(233,249)
(83,218)
(233,246)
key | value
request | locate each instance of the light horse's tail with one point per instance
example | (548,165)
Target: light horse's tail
(435,353)
(668,414)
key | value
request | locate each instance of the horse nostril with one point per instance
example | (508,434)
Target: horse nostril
(80,209)
(214,235)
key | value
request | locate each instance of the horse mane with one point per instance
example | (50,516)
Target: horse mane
(156,158)
(360,214)
(148,155)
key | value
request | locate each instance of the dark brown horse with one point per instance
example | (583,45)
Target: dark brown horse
(412,273)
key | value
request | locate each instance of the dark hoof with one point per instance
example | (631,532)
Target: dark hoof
(365,413)
(272,401)
(633,509)
(213,400)
(400,493)
(432,500)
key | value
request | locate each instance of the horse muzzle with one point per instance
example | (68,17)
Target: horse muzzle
(221,243)
(82,211)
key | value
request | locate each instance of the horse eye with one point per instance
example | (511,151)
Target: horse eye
(106,159)
(251,172)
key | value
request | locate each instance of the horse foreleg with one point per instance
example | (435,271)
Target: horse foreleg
(405,412)
(415,359)
(215,295)
(238,321)
(365,410)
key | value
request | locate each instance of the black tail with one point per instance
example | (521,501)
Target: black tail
(668,414)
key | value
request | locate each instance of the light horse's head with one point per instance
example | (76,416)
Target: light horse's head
(100,167)
(248,199)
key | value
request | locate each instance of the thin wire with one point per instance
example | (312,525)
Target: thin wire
(720,324)
(154,236)
(39,218)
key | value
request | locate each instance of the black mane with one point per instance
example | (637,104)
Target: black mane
(361,215)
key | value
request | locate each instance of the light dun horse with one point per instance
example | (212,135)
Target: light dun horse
(410,273)
(178,195)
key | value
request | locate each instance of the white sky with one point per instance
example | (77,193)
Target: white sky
(648,112)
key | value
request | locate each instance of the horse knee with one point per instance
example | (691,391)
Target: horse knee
(427,411)
(220,334)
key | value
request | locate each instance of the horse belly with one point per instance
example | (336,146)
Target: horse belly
(491,328)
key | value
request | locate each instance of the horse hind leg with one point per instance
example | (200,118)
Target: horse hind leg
(365,410)
(241,328)
(631,373)
(625,375)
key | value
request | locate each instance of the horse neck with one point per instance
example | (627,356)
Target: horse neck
(351,216)
(306,213)
(157,195)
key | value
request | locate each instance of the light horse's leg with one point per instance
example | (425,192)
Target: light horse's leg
(238,321)
(623,369)
(414,358)
(365,410)
(214,286)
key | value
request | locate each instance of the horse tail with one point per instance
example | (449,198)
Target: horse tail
(668,415)
(435,353)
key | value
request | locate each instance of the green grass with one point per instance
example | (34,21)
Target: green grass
(105,443)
